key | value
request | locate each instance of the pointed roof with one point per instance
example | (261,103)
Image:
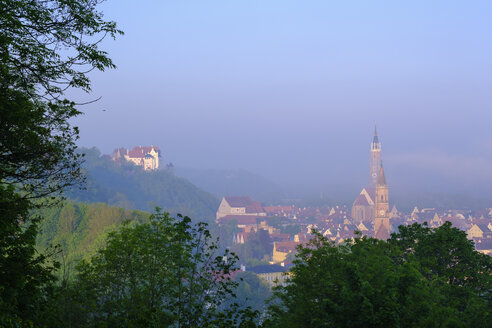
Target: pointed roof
(361,200)
(381,178)
(375,139)
(382,233)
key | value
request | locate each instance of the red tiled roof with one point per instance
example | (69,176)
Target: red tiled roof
(279,208)
(238,201)
(244,201)
(141,151)
(255,207)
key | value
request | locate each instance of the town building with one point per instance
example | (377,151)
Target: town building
(238,206)
(282,249)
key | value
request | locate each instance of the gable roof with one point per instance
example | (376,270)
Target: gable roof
(244,201)
(382,233)
(361,200)
(238,201)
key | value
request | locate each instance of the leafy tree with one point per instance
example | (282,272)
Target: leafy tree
(164,273)
(80,230)
(415,279)
(227,232)
(46,48)
(258,246)
(24,274)
(251,291)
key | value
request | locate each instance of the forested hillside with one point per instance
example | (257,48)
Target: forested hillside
(80,229)
(128,186)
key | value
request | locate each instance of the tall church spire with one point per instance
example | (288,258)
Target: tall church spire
(375,163)
(381,177)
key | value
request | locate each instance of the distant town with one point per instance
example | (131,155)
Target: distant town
(370,214)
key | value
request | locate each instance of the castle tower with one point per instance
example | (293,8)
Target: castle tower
(382,226)
(375,164)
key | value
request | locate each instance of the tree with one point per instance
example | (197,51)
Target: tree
(251,291)
(259,246)
(164,273)
(411,280)
(46,48)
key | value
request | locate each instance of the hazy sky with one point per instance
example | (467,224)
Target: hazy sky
(291,89)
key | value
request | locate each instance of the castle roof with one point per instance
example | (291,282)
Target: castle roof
(141,151)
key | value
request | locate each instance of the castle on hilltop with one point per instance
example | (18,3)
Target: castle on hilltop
(144,156)
(371,207)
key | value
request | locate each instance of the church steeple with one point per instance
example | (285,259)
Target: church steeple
(381,177)
(375,139)
(375,164)
(382,225)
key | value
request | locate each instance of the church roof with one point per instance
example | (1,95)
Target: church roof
(361,200)
(381,177)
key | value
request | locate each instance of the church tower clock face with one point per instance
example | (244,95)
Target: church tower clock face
(381,212)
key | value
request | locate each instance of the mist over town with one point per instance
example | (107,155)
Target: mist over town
(245,164)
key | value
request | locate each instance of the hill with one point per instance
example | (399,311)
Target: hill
(128,186)
(80,229)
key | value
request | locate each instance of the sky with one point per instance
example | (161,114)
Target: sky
(291,90)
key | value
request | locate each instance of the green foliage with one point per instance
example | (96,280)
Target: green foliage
(258,246)
(25,275)
(80,230)
(163,273)
(421,277)
(227,231)
(37,143)
(46,47)
(251,291)
(126,185)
